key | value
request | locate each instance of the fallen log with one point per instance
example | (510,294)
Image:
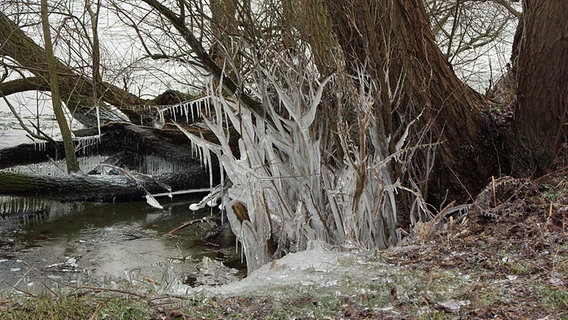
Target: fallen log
(120,141)
(30,153)
(169,144)
(102,188)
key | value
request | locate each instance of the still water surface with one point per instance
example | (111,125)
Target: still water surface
(48,243)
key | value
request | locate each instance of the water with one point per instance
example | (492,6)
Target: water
(77,242)
(46,244)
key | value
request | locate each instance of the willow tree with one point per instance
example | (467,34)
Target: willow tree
(392,43)
(540,129)
(364,147)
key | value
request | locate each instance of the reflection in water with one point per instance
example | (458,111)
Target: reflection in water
(74,242)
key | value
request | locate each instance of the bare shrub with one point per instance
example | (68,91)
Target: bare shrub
(293,181)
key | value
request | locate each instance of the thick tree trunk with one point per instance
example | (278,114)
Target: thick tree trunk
(171,145)
(393,39)
(310,21)
(223,27)
(540,128)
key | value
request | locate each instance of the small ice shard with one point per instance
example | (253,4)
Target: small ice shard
(153,202)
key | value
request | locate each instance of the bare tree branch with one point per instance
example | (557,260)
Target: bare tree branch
(20,47)
(206,59)
(509,8)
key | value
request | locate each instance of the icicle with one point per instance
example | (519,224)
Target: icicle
(97,109)
(146,166)
(200,152)
(40,145)
(208,107)
(222,174)
(85,145)
(186,111)
(194,151)
(161,116)
(210,167)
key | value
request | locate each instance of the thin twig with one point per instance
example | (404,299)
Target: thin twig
(21,122)
(187,224)
(94,315)
(494,195)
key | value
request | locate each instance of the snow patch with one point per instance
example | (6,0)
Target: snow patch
(319,267)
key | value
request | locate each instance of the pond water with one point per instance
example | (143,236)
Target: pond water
(45,244)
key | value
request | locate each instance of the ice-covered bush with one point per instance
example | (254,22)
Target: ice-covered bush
(297,177)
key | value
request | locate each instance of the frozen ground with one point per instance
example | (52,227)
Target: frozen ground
(514,267)
(316,268)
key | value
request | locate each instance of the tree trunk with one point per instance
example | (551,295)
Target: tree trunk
(310,21)
(223,27)
(169,144)
(393,39)
(103,188)
(128,144)
(540,128)
(70,157)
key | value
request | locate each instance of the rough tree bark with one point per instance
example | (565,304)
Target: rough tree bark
(393,39)
(540,129)
(103,188)
(70,157)
(223,27)
(310,21)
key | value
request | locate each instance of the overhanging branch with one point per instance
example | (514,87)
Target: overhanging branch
(206,60)
(22,85)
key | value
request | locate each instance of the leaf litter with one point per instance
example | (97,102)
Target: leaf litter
(512,264)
